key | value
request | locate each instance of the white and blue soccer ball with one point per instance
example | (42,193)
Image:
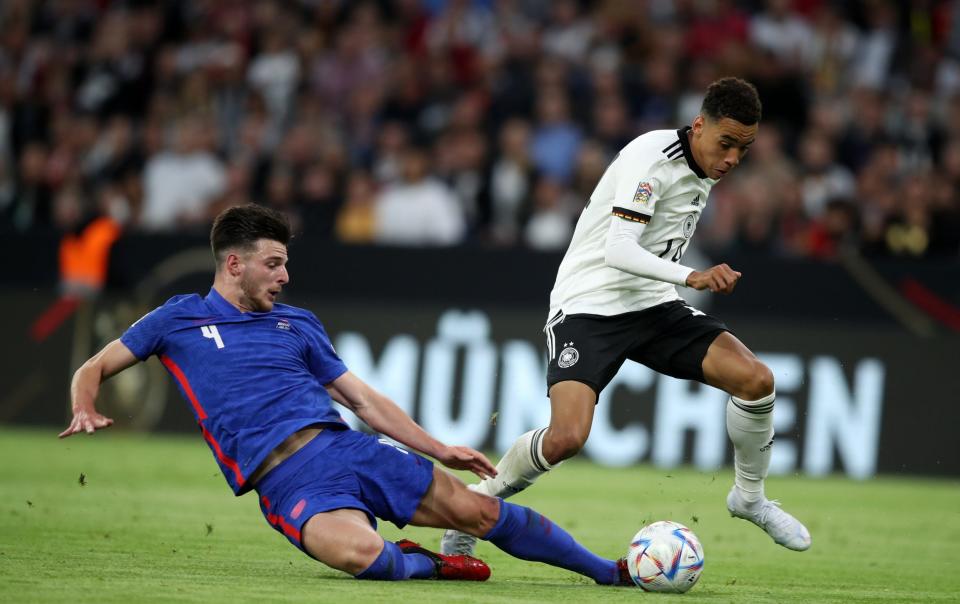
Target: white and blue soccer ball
(665,556)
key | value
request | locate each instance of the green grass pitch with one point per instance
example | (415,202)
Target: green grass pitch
(155,521)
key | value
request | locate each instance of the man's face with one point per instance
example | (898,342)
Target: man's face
(263,275)
(718,146)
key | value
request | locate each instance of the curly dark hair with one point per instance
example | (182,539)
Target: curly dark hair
(734,98)
(240,227)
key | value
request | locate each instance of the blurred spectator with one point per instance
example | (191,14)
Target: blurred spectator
(756,210)
(275,71)
(462,31)
(281,195)
(392,140)
(874,57)
(32,196)
(832,48)
(592,162)
(319,200)
(715,25)
(866,129)
(551,223)
(837,229)
(556,138)
(916,132)
(511,182)
(611,124)
(181,183)
(785,34)
(355,60)
(566,34)
(311,106)
(908,231)
(659,99)
(419,209)
(462,163)
(700,74)
(822,178)
(356,221)
(88,235)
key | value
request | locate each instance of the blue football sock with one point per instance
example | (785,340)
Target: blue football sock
(394,565)
(523,533)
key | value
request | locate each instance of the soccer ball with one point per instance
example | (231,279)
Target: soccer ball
(665,556)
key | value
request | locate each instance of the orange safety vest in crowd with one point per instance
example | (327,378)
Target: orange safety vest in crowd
(85,256)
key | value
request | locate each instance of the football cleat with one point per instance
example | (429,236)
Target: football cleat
(781,526)
(451,568)
(455,543)
(623,573)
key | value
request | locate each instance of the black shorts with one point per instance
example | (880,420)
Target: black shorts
(671,338)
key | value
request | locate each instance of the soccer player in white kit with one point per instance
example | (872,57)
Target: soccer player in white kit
(615,299)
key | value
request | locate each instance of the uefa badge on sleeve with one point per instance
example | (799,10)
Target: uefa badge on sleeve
(568,357)
(643,194)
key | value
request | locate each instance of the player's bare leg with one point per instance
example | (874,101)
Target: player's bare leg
(342,539)
(449,503)
(345,540)
(732,367)
(571,417)
(535,453)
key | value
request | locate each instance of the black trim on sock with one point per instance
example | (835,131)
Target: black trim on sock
(767,408)
(534,445)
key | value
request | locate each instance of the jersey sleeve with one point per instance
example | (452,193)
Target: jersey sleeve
(145,337)
(637,188)
(322,359)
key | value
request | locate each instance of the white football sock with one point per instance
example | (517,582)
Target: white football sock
(519,467)
(750,427)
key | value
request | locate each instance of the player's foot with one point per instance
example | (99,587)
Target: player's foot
(453,568)
(784,528)
(455,543)
(623,573)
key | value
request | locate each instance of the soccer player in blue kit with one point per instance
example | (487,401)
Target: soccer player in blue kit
(260,377)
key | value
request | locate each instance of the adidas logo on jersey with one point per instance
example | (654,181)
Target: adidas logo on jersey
(696,201)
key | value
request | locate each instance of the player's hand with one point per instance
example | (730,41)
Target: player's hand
(720,279)
(465,458)
(86,420)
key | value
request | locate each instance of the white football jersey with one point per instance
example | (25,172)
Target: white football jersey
(653,180)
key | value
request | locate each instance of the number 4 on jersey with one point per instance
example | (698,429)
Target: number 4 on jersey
(210,331)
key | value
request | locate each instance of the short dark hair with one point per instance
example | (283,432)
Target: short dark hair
(734,98)
(241,226)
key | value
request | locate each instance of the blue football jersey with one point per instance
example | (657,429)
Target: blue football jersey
(251,378)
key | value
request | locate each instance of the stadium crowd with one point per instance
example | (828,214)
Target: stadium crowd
(442,122)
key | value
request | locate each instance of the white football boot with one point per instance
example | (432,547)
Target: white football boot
(455,543)
(784,528)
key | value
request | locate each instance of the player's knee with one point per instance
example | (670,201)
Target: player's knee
(478,515)
(487,515)
(560,444)
(758,382)
(359,556)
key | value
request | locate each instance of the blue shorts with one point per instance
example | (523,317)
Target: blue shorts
(344,469)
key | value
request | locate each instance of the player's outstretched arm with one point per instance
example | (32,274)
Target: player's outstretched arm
(624,252)
(384,416)
(114,358)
